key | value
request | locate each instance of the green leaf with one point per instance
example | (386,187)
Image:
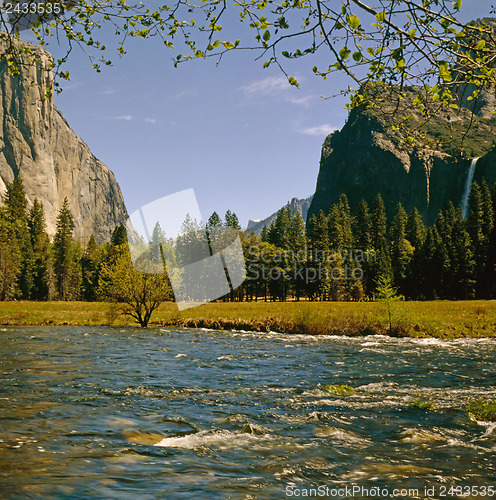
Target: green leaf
(457,5)
(344,53)
(380,17)
(481,44)
(444,72)
(266,35)
(292,81)
(357,56)
(353,21)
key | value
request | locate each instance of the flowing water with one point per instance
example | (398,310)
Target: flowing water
(124,413)
(468,186)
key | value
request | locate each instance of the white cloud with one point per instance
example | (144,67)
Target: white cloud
(71,85)
(279,87)
(108,92)
(267,85)
(324,129)
(150,120)
(123,117)
(300,101)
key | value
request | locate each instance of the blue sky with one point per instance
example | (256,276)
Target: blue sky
(238,134)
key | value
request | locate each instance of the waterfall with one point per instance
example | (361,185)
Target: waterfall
(468,185)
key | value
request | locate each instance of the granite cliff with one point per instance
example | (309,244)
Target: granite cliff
(365,158)
(37,144)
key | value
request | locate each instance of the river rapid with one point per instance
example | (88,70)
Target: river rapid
(127,413)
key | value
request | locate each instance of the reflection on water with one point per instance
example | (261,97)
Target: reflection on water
(125,413)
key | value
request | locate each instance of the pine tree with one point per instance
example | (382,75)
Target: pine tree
(90,270)
(387,294)
(192,244)
(231,220)
(318,256)
(401,249)
(15,201)
(10,257)
(474,224)
(16,211)
(214,220)
(339,222)
(362,227)
(156,245)
(487,209)
(340,242)
(479,225)
(117,245)
(445,224)
(432,267)
(462,263)
(381,265)
(40,243)
(416,231)
(345,240)
(66,256)
(297,233)
(119,236)
(362,243)
(318,232)
(298,247)
(491,254)
(379,224)
(279,228)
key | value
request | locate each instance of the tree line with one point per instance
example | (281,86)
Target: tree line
(343,254)
(338,255)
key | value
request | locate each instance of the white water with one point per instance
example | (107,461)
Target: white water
(468,185)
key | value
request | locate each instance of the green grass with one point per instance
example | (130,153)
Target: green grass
(441,319)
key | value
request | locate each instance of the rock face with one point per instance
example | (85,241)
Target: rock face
(366,158)
(37,144)
(300,205)
(363,159)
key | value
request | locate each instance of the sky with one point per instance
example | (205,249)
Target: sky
(238,134)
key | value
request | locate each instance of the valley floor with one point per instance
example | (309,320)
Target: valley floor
(441,319)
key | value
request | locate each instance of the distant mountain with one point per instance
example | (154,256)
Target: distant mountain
(301,205)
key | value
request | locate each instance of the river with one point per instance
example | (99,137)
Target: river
(126,413)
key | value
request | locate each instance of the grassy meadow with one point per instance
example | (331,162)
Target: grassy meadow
(441,319)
